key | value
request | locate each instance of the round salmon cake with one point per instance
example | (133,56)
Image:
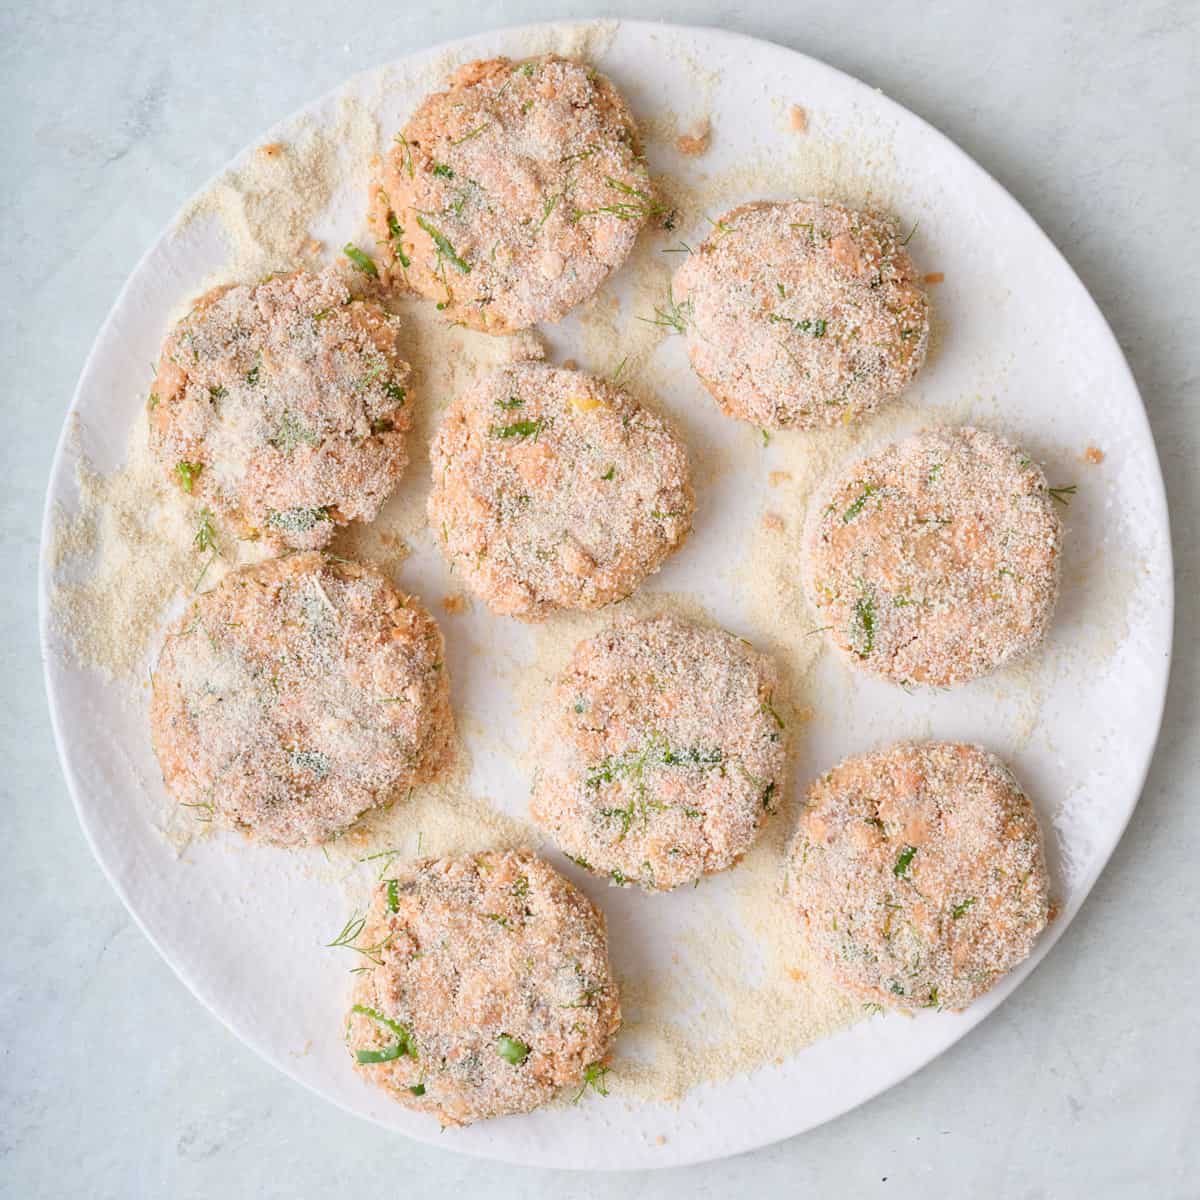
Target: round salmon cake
(283,405)
(510,196)
(663,752)
(488,990)
(919,875)
(554,489)
(802,314)
(935,560)
(298,694)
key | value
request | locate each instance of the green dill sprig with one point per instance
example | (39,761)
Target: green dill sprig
(1061,493)
(347,939)
(594,1076)
(671,315)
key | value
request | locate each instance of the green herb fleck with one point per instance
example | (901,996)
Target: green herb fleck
(396,230)
(401,1046)
(862,627)
(1061,493)
(511,403)
(296,520)
(474,133)
(393,895)
(593,1076)
(671,315)
(444,248)
(520,430)
(853,511)
(512,1050)
(905,857)
(813,325)
(361,259)
(206,535)
(444,171)
(608,475)
(960,909)
(187,472)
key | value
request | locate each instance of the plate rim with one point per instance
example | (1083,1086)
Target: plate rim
(60,460)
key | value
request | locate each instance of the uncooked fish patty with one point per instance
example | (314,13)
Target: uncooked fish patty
(555,489)
(298,694)
(284,405)
(510,196)
(935,560)
(488,989)
(919,875)
(802,314)
(663,752)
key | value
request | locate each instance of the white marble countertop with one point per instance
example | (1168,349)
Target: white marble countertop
(114,1082)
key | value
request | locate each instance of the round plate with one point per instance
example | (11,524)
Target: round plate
(1022,348)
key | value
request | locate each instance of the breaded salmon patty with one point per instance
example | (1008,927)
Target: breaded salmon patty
(935,560)
(283,405)
(919,875)
(663,752)
(487,989)
(554,489)
(802,314)
(510,196)
(298,694)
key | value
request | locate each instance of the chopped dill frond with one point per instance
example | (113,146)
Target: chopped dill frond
(206,535)
(960,909)
(443,171)
(474,133)
(903,859)
(519,430)
(853,511)
(594,1077)
(1061,493)
(671,315)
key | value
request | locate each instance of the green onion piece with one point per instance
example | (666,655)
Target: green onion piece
(511,1050)
(361,260)
(187,472)
(403,1044)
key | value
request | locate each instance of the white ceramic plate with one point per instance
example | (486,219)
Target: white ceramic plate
(1023,349)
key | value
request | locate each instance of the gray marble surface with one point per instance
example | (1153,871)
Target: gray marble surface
(114,1082)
